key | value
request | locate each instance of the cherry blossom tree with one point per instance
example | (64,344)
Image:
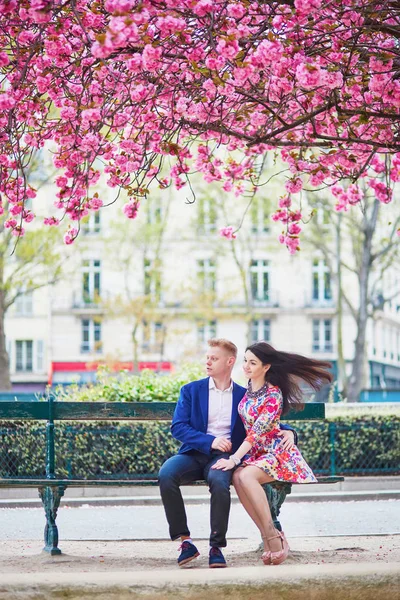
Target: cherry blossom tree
(122,86)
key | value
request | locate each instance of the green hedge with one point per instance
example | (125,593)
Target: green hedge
(342,445)
(90,450)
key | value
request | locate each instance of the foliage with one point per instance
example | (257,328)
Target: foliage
(149,386)
(134,83)
(362,445)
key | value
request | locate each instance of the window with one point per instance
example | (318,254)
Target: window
(322,335)
(207,216)
(154,212)
(206,273)
(261,330)
(321,282)
(206,331)
(152,280)
(153,336)
(260,216)
(91,336)
(91,224)
(259,278)
(24,304)
(24,355)
(91,281)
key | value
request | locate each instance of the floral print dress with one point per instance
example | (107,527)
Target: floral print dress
(260,412)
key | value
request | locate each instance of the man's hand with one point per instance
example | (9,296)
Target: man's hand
(287,441)
(221,443)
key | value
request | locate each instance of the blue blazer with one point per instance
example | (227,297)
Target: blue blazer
(190,420)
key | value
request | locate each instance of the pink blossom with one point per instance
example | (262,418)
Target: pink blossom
(91,115)
(227,232)
(285,202)
(308,75)
(294,185)
(28,216)
(382,192)
(151,57)
(6,101)
(131,209)
(51,221)
(18,231)
(203,7)
(236,11)
(4,60)
(10,223)
(294,229)
(70,236)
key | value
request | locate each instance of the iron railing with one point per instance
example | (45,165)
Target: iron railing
(137,450)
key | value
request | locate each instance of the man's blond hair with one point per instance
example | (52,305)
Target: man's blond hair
(225,344)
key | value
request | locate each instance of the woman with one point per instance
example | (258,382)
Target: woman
(272,390)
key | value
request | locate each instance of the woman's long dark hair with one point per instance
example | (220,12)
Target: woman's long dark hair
(286,368)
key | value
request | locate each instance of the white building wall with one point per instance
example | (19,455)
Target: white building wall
(59,311)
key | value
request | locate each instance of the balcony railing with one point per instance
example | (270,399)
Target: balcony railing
(322,347)
(269,298)
(91,348)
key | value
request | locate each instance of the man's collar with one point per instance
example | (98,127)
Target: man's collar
(212,386)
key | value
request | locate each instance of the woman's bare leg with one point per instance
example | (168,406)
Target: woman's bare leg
(245,501)
(250,480)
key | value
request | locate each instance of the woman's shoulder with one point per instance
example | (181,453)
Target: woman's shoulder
(274,390)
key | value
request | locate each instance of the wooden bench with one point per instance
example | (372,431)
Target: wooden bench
(51,488)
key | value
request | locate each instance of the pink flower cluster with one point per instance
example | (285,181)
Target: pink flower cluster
(123,87)
(227,232)
(351,196)
(291,219)
(131,209)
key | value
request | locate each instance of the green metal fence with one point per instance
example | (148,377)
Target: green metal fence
(89,450)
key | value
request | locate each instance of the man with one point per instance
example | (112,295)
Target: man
(207,422)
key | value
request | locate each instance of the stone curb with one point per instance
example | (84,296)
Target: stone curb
(201,499)
(362,580)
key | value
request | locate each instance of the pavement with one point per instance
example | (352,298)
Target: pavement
(345,545)
(351,489)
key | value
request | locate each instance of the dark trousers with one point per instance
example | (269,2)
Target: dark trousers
(186,468)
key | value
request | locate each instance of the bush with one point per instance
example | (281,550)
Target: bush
(146,387)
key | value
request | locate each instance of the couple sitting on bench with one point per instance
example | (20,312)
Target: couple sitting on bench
(232,434)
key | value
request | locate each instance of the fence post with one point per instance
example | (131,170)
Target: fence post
(50,462)
(332,432)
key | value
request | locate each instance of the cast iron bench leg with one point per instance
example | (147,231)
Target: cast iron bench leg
(51,497)
(276,493)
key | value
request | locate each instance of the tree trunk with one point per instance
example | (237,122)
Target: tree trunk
(135,366)
(5,382)
(341,363)
(357,377)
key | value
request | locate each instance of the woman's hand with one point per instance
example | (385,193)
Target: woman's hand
(224,464)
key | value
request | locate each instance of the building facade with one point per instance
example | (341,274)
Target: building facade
(149,293)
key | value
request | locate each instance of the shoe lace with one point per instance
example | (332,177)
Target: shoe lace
(184,546)
(215,551)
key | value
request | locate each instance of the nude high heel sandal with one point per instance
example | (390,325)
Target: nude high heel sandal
(279,557)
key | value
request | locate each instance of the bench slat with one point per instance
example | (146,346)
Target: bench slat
(8,483)
(112,411)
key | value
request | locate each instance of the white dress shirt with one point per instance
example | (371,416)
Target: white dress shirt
(219,410)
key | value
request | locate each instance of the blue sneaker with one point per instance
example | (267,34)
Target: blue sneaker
(216,559)
(188,553)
